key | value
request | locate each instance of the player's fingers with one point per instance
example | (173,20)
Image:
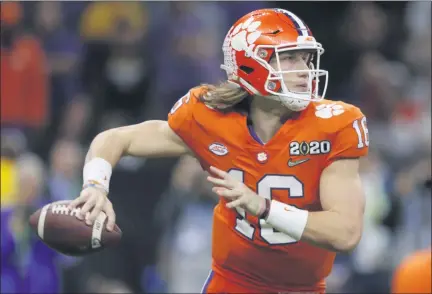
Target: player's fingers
(88,206)
(79,200)
(219,172)
(111,216)
(227,192)
(96,210)
(230,181)
(216,181)
(220,182)
(235,203)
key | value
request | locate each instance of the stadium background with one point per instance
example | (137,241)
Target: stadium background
(71,70)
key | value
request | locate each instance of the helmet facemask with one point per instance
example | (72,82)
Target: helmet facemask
(275,84)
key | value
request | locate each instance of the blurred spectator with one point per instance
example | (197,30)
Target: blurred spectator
(414,230)
(127,72)
(417,18)
(63,48)
(99,25)
(66,160)
(28,266)
(72,12)
(363,27)
(117,70)
(98,21)
(76,119)
(371,89)
(417,54)
(13,143)
(24,80)
(8,181)
(366,26)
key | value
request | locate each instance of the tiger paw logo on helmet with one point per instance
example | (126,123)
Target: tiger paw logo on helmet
(244,36)
(329,110)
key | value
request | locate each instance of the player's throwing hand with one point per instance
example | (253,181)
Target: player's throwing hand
(236,193)
(94,201)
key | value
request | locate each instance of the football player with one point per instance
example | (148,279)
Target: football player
(283,160)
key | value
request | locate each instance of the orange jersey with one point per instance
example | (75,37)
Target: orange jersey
(286,169)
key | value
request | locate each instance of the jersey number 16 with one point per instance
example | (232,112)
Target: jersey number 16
(264,188)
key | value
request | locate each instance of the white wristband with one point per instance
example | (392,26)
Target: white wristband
(287,219)
(97,171)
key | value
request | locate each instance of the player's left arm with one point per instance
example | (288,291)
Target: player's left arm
(339,226)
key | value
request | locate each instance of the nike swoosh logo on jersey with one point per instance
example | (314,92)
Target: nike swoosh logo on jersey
(297,162)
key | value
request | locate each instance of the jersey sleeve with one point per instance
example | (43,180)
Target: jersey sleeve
(351,140)
(180,117)
(183,117)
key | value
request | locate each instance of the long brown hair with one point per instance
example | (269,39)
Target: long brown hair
(223,96)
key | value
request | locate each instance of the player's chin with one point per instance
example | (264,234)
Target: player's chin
(300,89)
(296,104)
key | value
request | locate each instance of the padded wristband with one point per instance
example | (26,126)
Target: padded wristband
(266,209)
(97,172)
(287,219)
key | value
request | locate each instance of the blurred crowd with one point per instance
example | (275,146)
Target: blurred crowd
(72,69)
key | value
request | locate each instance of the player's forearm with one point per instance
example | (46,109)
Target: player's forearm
(332,231)
(105,151)
(326,229)
(107,145)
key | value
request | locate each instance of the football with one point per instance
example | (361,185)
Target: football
(59,228)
